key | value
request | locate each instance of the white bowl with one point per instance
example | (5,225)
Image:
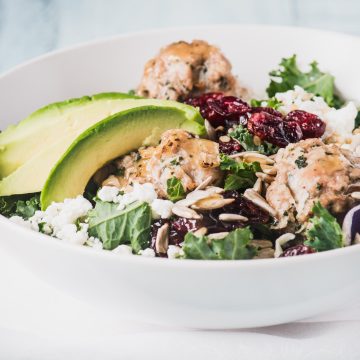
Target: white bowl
(202,294)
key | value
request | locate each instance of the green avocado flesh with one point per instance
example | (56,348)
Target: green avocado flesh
(29,150)
(107,140)
(51,124)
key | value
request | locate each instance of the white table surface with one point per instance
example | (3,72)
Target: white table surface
(39,323)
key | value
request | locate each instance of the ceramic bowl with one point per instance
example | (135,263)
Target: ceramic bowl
(198,294)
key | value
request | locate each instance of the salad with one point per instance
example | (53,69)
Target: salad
(191,164)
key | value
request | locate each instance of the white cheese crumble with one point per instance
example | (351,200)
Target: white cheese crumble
(148,252)
(71,234)
(339,122)
(18,220)
(139,192)
(174,252)
(94,243)
(108,194)
(161,208)
(59,220)
(123,250)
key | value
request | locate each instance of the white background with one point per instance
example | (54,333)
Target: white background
(31,27)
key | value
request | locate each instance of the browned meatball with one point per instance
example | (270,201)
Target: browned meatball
(311,171)
(179,155)
(182,69)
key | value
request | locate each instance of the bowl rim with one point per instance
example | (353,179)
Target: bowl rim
(219,264)
(177,263)
(174,29)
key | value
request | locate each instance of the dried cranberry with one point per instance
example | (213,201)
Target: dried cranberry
(274,129)
(179,227)
(311,125)
(218,108)
(245,207)
(199,101)
(269,110)
(230,147)
(297,250)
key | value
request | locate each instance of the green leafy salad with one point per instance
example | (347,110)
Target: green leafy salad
(198,172)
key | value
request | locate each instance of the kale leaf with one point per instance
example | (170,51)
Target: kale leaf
(324,232)
(241,175)
(175,189)
(235,246)
(20,205)
(273,103)
(314,81)
(114,227)
(246,140)
(357,120)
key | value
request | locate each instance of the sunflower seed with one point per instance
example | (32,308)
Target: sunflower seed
(353,187)
(162,239)
(217,236)
(193,197)
(280,241)
(258,200)
(224,139)
(357,239)
(215,190)
(210,130)
(265,254)
(265,177)
(185,212)
(355,195)
(201,232)
(254,156)
(212,202)
(270,171)
(258,185)
(205,183)
(232,217)
(261,244)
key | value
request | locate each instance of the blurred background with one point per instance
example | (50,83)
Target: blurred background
(32,27)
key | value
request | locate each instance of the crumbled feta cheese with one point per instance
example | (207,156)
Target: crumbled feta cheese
(161,208)
(59,220)
(94,243)
(108,193)
(140,192)
(20,221)
(147,252)
(339,122)
(123,250)
(174,252)
(71,234)
(58,215)
(353,145)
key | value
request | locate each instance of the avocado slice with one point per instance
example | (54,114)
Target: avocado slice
(33,147)
(107,140)
(44,127)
